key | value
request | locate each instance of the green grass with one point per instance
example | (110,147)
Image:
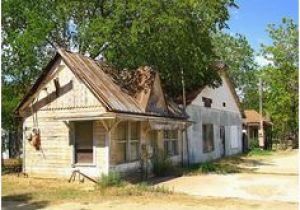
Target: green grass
(113,179)
(216,167)
(259,152)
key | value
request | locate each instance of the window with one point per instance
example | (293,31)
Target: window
(207,102)
(224,104)
(84,142)
(171,142)
(208,137)
(121,139)
(127,142)
(134,141)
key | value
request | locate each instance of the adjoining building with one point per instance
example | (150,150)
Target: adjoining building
(254,135)
(217,120)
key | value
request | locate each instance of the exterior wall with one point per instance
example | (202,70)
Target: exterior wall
(202,115)
(218,115)
(56,156)
(218,95)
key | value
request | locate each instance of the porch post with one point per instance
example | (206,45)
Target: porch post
(107,152)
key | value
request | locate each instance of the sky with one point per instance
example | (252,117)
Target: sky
(253,16)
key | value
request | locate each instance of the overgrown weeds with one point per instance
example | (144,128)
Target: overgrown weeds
(216,167)
(259,152)
(162,165)
(112,184)
(113,179)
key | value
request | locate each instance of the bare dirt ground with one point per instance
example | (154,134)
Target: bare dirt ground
(272,185)
(274,178)
(181,203)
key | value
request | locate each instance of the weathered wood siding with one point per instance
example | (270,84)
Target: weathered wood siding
(73,99)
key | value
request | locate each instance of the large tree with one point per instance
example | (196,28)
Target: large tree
(237,53)
(169,35)
(281,78)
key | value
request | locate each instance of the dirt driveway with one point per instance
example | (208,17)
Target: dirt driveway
(274,178)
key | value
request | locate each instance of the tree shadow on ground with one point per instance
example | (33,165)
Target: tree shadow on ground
(21,201)
(225,165)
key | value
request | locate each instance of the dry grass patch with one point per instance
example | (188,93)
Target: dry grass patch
(57,190)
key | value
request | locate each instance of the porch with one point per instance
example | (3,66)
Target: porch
(121,142)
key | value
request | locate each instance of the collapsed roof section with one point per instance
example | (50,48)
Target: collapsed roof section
(127,91)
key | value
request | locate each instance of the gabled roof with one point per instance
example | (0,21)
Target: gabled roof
(221,67)
(253,116)
(101,79)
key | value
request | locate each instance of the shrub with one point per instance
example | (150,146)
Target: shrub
(217,167)
(253,144)
(162,165)
(113,179)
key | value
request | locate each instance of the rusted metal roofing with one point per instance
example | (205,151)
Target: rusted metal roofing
(119,91)
(253,116)
(91,72)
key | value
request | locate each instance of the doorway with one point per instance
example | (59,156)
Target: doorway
(84,142)
(222,137)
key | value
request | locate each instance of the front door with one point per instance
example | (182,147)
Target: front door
(222,137)
(84,142)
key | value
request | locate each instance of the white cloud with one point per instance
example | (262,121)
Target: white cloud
(261,61)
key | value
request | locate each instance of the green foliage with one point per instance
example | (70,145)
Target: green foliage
(113,179)
(253,143)
(212,167)
(237,53)
(162,165)
(145,187)
(281,79)
(168,35)
(259,152)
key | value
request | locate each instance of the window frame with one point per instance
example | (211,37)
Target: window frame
(128,141)
(169,141)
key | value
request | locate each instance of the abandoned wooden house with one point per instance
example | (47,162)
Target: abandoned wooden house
(82,114)
(217,120)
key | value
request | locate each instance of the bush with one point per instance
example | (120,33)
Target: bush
(113,179)
(162,165)
(259,152)
(253,144)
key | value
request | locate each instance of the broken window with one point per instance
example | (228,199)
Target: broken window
(207,137)
(207,102)
(171,142)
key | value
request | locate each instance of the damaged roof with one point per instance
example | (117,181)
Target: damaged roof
(119,91)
